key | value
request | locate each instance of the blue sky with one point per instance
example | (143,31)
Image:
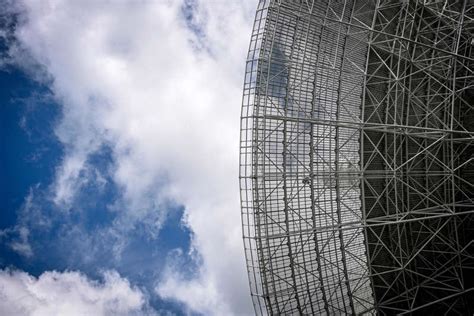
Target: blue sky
(30,153)
(118,159)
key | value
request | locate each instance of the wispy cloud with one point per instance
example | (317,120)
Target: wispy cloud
(17,237)
(131,77)
(21,245)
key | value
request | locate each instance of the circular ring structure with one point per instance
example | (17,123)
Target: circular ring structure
(357,157)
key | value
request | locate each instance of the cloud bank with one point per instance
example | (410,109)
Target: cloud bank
(68,293)
(159,84)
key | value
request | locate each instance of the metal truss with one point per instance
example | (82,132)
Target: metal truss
(357,157)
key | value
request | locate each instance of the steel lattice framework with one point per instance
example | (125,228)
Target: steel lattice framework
(357,157)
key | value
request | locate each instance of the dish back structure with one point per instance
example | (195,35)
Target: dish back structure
(356,163)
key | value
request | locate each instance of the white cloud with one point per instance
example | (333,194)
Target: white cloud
(133,75)
(199,295)
(68,293)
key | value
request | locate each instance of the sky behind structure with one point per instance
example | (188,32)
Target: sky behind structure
(119,130)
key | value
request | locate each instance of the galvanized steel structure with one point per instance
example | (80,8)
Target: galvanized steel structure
(357,157)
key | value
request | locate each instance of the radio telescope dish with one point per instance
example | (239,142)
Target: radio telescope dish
(357,157)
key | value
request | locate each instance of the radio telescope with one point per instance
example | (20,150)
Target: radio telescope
(357,157)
